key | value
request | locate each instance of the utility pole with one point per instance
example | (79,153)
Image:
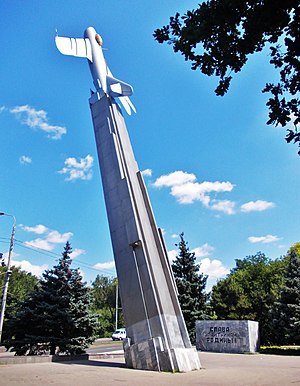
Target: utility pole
(8,272)
(117,305)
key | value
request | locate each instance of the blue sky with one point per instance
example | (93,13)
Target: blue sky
(214,170)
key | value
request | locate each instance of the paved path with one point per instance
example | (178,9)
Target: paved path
(218,369)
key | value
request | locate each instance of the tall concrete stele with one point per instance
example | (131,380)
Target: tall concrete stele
(157,335)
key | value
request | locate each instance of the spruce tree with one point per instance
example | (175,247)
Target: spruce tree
(56,316)
(82,330)
(285,318)
(191,286)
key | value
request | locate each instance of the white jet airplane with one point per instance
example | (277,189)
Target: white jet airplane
(90,47)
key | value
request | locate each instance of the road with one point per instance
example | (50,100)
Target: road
(104,345)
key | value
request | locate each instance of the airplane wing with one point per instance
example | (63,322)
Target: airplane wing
(79,47)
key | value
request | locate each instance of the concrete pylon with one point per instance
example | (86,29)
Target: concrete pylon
(157,335)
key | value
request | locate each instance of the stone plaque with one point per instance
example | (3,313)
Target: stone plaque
(228,336)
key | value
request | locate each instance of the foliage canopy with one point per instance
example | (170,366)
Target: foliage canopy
(219,36)
(104,304)
(250,291)
(21,284)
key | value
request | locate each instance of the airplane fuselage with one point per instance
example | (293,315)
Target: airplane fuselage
(90,47)
(98,65)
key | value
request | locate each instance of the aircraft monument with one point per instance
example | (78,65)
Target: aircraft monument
(157,337)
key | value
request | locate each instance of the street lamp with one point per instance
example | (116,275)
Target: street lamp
(8,272)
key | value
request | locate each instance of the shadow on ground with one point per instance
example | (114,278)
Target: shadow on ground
(97,363)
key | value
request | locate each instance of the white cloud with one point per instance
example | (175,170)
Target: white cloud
(163,231)
(186,190)
(290,124)
(225,206)
(172,255)
(5,256)
(104,266)
(190,192)
(52,237)
(58,238)
(37,119)
(40,243)
(82,274)
(78,170)
(257,206)
(263,239)
(2,108)
(77,252)
(215,271)
(24,160)
(147,172)
(38,229)
(213,268)
(176,178)
(25,265)
(174,236)
(204,250)
(282,246)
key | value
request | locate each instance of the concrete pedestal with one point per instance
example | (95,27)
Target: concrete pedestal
(157,335)
(151,355)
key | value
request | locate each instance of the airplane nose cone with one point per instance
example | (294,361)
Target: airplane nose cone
(99,40)
(90,32)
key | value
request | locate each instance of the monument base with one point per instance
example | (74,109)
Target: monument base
(150,355)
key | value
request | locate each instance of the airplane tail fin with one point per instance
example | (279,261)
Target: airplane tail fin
(117,87)
(122,90)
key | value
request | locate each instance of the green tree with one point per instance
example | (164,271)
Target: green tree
(21,284)
(104,304)
(295,247)
(285,318)
(56,315)
(218,37)
(191,286)
(250,291)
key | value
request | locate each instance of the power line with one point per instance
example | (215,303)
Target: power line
(32,248)
(47,253)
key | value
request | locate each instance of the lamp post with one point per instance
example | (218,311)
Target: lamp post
(117,304)
(8,271)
